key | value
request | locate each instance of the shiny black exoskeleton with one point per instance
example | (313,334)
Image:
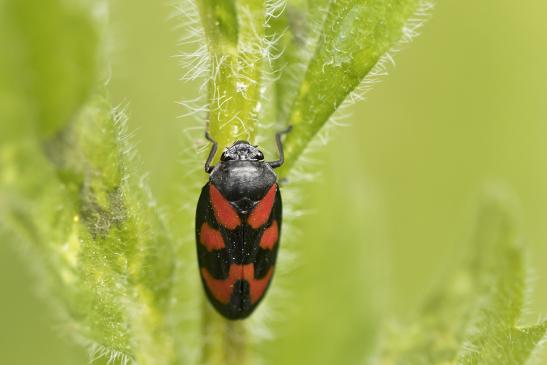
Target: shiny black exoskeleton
(238,225)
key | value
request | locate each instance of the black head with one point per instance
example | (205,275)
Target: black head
(242,150)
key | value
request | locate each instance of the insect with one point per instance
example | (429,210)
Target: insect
(238,226)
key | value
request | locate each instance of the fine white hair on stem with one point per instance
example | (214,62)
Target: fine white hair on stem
(275,8)
(97,351)
(199,67)
(194,57)
(196,62)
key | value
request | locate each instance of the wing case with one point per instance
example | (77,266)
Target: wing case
(237,237)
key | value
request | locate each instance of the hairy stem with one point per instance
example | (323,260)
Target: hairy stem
(225,342)
(235,32)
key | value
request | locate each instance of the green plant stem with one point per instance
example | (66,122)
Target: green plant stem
(235,32)
(225,341)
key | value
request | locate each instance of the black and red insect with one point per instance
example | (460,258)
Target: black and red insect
(238,226)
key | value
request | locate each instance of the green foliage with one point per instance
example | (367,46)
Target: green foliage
(122,283)
(69,192)
(353,38)
(72,193)
(473,317)
(40,52)
(104,253)
(258,51)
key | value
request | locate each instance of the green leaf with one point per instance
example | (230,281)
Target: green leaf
(54,69)
(105,251)
(295,66)
(354,36)
(473,318)
(492,336)
(69,191)
(291,32)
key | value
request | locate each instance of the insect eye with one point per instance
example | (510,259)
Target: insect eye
(226,157)
(260,155)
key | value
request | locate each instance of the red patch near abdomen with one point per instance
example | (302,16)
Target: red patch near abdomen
(261,212)
(222,289)
(210,238)
(258,286)
(269,237)
(225,213)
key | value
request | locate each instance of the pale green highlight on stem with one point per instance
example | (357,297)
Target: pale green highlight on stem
(235,32)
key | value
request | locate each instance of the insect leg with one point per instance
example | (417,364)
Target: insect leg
(278,135)
(212,153)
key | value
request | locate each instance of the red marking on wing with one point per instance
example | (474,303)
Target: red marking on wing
(269,237)
(225,213)
(211,238)
(261,212)
(258,286)
(222,289)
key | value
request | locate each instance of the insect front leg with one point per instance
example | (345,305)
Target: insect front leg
(278,135)
(212,153)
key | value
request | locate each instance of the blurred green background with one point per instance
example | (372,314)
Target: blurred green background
(392,210)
